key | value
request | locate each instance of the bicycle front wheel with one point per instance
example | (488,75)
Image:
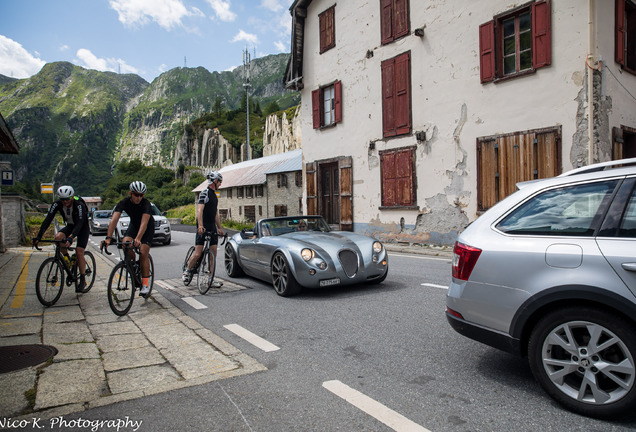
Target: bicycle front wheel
(90,273)
(121,289)
(185,262)
(205,277)
(50,281)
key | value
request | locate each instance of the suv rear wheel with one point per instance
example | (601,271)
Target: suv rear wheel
(585,359)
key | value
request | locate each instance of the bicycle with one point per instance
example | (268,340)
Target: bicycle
(125,278)
(203,268)
(51,274)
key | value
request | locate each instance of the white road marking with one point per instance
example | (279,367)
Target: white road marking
(392,419)
(420,257)
(194,303)
(435,286)
(255,340)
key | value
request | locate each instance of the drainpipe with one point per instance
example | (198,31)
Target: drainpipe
(591,57)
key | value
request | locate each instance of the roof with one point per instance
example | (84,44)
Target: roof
(8,144)
(254,171)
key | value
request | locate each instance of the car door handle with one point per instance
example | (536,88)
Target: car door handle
(629,266)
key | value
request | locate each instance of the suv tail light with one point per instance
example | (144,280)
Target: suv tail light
(464,260)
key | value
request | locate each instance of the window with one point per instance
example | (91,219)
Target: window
(327,29)
(625,34)
(326,105)
(250,213)
(516,42)
(223,214)
(280,210)
(396,95)
(570,211)
(282,180)
(394,19)
(299,178)
(398,177)
(628,224)
(505,160)
(229,193)
(239,192)
(259,191)
(249,192)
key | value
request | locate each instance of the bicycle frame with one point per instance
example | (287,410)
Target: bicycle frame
(59,257)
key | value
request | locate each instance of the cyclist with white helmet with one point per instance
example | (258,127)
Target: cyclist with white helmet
(74,211)
(140,230)
(207,220)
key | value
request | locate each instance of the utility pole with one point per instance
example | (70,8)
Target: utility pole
(247,64)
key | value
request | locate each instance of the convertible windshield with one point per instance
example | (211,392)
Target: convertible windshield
(278,226)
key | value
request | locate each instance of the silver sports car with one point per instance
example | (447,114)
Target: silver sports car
(301,251)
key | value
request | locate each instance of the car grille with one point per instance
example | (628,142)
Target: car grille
(349,261)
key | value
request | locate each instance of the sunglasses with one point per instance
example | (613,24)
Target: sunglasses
(138,195)
(66,199)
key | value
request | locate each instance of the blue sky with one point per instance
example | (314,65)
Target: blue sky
(145,37)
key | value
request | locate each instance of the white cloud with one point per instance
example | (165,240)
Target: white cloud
(64,48)
(17,62)
(281,46)
(273,5)
(89,60)
(246,37)
(222,10)
(166,13)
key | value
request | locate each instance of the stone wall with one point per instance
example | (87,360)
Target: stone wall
(13,221)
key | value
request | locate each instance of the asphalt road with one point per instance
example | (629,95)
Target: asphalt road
(364,358)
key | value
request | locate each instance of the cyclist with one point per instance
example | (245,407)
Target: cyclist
(141,229)
(74,211)
(207,220)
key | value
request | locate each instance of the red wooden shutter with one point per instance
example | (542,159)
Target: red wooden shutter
(619,33)
(386,20)
(541,34)
(345,167)
(322,18)
(389,182)
(403,93)
(487,51)
(315,107)
(337,88)
(401,18)
(312,193)
(388,99)
(404,177)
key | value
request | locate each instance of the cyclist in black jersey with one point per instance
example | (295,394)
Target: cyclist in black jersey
(207,220)
(141,229)
(74,211)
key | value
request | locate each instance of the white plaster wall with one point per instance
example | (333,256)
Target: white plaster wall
(448,100)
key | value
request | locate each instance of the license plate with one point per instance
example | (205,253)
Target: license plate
(329,282)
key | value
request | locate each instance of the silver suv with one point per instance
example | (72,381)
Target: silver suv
(550,273)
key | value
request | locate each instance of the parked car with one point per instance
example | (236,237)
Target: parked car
(302,251)
(162,226)
(550,273)
(98,221)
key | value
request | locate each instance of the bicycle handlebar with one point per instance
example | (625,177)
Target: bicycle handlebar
(34,244)
(103,247)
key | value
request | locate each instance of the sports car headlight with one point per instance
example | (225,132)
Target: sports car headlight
(124,224)
(307,254)
(377,247)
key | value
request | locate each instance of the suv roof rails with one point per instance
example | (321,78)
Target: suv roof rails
(600,167)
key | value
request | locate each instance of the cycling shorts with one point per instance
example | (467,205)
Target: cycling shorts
(146,238)
(82,237)
(200,238)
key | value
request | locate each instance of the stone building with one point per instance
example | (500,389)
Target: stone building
(258,188)
(11,207)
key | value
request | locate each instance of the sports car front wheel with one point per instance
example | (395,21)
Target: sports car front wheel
(231,264)
(585,359)
(283,280)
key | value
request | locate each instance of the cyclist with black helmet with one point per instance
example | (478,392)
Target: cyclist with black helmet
(74,211)
(207,220)
(141,229)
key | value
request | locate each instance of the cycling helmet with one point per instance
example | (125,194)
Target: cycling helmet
(65,192)
(213,176)
(138,187)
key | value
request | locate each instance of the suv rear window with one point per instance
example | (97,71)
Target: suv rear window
(571,211)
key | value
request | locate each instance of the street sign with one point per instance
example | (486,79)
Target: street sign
(46,188)
(218,194)
(7,178)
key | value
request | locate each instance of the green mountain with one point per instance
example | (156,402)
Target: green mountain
(74,125)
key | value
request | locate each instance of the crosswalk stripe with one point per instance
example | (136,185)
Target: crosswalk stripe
(435,285)
(194,303)
(255,340)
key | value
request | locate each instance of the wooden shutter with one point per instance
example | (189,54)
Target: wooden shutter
(617,143)
(327,29)
(547,155)
(345,167)
(403,93)
(541,34)
(487,51)
(398,183)
(388,98)
(386,20)
(315,107)
(312,192)
(401,18)
(619,33)
(337,88)
(389,182)
(488,172)
(404,177)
